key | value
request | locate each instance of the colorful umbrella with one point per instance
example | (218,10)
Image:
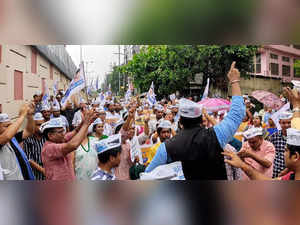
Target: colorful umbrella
(267,98)
(215,104)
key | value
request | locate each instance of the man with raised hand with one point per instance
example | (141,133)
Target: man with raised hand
(199,149)
(56,157)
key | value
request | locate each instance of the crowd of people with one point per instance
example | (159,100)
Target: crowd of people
(103,140)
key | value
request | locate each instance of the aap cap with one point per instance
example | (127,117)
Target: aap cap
(256,114)
(38,93)
(296,84)
(45,108)
(109,143)
(53,123)
(97,121)
(293,137)
(189,109)
(38,116)
(166,124)
(285,116)
(253,132)
(159,107)
(96,102)
(4,118)
(55,108)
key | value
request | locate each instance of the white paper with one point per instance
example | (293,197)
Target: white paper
(135,150)
(275,116)
(172,171)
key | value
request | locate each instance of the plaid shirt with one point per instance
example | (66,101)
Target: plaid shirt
(279,141)
(102,175)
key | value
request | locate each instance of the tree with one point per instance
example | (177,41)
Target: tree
(172,67)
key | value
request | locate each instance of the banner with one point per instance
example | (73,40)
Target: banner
(172,171)
(77,84)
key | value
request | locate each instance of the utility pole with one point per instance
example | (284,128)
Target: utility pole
(119,64)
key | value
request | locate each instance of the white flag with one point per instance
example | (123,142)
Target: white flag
(205,93)
(77,84)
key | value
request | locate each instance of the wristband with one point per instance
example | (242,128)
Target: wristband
(234,81)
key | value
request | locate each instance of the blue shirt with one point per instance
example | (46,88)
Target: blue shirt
(224,131)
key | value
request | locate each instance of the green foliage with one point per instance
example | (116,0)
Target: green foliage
(172,67)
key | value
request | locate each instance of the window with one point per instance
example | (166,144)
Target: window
(286,70)
(18,85)
(274,67)
(273,56)
(285,59)
(258,63)
(33,61)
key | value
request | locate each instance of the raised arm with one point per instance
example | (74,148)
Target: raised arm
(73,144)
(11,131)
(227,128)
(29,130)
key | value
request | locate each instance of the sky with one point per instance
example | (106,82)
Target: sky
(99,58)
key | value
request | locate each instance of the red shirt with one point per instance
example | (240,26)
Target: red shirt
(57,166)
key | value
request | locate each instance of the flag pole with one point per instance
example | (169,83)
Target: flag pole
(82,62)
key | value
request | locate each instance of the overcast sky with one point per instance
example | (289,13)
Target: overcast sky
(101,55)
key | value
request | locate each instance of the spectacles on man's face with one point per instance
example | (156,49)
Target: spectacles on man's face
(60,131)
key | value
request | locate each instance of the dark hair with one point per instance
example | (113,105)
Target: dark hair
(190,122)
(104,157)
(160,129)
(293,149)
(46,132)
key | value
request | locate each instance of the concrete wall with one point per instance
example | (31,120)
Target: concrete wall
(18,57)
(260,83)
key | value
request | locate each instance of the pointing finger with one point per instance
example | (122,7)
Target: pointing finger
(232,66)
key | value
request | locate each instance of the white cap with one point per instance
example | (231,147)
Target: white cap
(159,107)
(256,114)
(111,142)
(97,121)
(168,111)
(285,116)
(37,93)
(38,116)
(253,132)
(245,96)
(296,83)
(53,123)
(221,112)
(96,102)
(189,108)
(165,124)
(4,118)
(293,137)
(55,108)
(45,108)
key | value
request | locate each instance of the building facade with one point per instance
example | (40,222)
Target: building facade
(23,70)
(277,61)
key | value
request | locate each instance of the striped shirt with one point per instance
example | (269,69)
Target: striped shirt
(33,147)
(100,174)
